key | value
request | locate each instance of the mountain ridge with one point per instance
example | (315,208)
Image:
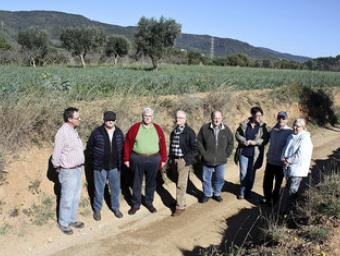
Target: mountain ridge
(55,21)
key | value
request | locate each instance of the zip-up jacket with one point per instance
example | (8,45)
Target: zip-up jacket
(215,152)
(261,139)
(188,144)
(103,154)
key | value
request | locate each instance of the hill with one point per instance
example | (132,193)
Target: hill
(54,23)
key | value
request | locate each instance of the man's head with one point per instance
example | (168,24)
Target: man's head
(299,125)
(71,116)
(216,118)
(181,117)
(282,118)
(109,119)
(147,116)
(256,114)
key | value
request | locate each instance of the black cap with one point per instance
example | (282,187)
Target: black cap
(109,116)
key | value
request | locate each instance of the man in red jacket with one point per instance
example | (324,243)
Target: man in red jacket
(144,152)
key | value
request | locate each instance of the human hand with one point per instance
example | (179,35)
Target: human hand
(127,163)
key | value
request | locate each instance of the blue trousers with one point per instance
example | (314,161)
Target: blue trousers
(71,182)
(100,178)
(247,175)
(213,180)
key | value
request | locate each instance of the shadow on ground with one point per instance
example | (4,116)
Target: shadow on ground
(244,227)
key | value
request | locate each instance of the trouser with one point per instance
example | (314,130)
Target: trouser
(182,171)
(70,180)
(213,180)
(293,184)
(272,172)
(247,175)
(140,165)
(100,178)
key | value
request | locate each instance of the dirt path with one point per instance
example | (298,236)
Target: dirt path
(160,234)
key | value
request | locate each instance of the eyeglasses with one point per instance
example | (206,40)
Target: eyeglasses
(297,125)
(281,117)
(180,117)
(76,118)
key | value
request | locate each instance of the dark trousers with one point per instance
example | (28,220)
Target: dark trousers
(140,165)
(272,172)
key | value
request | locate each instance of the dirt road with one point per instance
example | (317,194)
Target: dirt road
(159,234)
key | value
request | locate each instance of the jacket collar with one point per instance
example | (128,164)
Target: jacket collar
(211,126)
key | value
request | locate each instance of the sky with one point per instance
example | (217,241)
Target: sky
(301,27)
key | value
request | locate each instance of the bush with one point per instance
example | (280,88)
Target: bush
(43,212)
(319,106)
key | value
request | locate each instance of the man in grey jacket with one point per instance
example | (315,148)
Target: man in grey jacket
(274,167)
(216,144)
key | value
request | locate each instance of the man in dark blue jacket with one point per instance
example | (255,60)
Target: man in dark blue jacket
(105,146)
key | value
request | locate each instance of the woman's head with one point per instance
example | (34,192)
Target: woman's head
(256,114)
(299,125)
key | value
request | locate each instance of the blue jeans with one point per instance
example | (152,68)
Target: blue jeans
(213,180)
(100,177)
(247,175)
(71,183)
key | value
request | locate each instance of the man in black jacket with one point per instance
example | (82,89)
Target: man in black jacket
(105,147)
(216,145)
(183,148)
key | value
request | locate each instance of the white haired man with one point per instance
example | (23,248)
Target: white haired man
(183,149)
(145,153)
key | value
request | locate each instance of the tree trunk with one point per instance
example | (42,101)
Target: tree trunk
(116,59)
(82,60)
(154,63)
(33,62)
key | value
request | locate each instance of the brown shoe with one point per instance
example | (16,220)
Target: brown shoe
(151,208)
(133,210)
(177,212)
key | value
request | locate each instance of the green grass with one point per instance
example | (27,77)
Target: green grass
(102,81)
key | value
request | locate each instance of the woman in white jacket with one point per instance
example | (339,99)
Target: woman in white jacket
(296,158)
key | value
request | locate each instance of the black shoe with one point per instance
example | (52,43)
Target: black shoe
(151,208)
(77,224)
(218,199)
(97,216)
(117,213)
(205,199)
(263,201)
(133,210)
(65,230)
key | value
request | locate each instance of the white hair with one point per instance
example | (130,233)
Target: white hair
(147,110)
(182,112)
(301,122)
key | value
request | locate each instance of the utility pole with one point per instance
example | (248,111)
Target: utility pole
(212,48)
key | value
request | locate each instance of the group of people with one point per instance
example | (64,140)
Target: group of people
(143,149)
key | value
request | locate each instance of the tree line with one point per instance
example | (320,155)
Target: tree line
(154,38)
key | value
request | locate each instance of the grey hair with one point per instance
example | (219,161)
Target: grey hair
(181,111)
(214,113)
(301,121)
(147,110)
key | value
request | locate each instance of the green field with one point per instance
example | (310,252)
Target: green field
(104,81)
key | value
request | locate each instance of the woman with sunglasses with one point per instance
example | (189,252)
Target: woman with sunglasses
(252,136)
